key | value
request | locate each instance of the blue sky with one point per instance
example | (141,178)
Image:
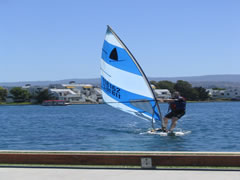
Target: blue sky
(62,39)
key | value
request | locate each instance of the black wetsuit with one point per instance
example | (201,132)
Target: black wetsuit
(177,107)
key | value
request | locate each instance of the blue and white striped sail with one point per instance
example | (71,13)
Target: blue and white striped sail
(124,84)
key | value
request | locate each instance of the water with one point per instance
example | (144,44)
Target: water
(214,126)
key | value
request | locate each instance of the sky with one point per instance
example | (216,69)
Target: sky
(62,39)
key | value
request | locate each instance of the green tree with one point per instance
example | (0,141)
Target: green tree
(202,93)
(186,90)
(44,95)
(3,94)
(19,94)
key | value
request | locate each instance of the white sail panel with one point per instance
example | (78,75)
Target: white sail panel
(133,84)
(112,40)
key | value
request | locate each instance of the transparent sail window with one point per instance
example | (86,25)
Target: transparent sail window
(142,104)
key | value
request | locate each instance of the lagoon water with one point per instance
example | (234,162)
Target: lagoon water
(213,126)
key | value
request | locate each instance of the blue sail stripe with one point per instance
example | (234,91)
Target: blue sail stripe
(124,61)
(124,96)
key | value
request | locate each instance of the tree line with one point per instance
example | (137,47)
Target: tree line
(184,88)
(22,95)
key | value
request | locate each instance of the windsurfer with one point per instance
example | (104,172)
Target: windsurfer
(177,105)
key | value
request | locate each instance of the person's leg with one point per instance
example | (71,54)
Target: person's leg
(174,123)
(165,123)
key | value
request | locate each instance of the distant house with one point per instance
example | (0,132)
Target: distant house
(67,95)
(231,93)
(73,85)
(87,91)
(162,93)
(75,93)
(96,95)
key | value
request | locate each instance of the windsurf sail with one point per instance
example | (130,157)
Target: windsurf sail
(123,82)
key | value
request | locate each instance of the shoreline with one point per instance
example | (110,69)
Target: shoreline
(89,103)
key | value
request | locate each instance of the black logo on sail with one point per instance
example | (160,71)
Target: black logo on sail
(114,55)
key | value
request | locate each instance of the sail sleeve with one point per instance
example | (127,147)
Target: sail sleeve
(124,84)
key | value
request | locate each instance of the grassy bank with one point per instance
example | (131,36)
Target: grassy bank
(22,103)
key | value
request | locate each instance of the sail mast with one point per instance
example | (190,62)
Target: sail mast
(142,72)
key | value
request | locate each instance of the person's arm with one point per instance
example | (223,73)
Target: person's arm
(165,100)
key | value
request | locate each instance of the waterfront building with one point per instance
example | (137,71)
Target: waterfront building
(162,93)
(76,93)
(88,92)
(67,95)
(95,95)
(231,93)
(72,85)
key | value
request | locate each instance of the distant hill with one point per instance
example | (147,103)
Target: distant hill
(207,81)
(94,81)
(207,78)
